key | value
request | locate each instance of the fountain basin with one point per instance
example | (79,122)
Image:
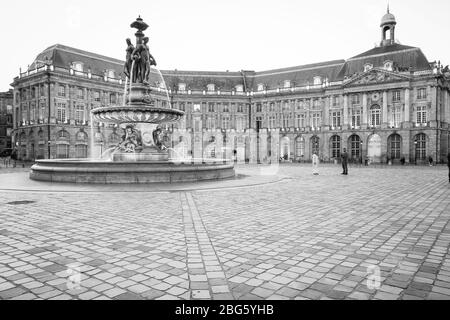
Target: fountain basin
(128,172)
(136,113)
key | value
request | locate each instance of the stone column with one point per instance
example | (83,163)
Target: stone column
(406,118)
(434,117)
(345,126)
(384,111)
(326,115)
(364,112)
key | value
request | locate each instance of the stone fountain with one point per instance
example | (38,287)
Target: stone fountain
(141,156)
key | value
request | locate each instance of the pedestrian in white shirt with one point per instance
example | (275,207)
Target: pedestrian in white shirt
(315,164)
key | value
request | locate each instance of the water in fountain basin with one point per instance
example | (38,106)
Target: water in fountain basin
(165,88)
(92,136)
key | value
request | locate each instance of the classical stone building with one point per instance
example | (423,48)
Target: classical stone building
(6,119)
(387,103)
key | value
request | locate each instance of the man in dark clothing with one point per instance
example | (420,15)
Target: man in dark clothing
(448,164)
(344,157)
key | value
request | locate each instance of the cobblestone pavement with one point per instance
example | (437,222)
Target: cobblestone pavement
(307,237)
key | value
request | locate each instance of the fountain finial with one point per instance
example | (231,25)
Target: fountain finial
(139,24)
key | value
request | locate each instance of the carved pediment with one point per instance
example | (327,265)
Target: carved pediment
(375,76)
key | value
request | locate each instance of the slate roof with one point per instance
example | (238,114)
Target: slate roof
(403,56)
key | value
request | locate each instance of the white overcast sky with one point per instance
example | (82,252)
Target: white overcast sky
(219,35)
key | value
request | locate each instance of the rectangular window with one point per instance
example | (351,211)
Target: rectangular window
(335,101)
(182,106)
(225,107)
(300,120)
(24,114)
(336,119)
(80,93)
(62,151)
(272,122)
(356,118)
(421,115)
(396,96)
(81,151)
(97,96)
(79,113)
(422,93)
(210,107)
(259,107)
(395,117)
(355,99)
(61,112)
(41,110)
(258,123)
(316,120)
(226,123)
(239,124)
(62,91)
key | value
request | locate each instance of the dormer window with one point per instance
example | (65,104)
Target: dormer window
(211,87)
(367,67)
(77,66)
(287,84)
(260,87)
(388,65)
(239,88)
(111,73)
(182,87)
(317,81)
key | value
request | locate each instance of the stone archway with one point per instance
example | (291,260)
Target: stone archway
(285,148)
(374,148)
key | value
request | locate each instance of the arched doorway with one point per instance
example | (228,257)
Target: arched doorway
(285,148)
(355,147)
(315,145)
(395,146)
(335,147)
(374,148)
(420,142)
(247,149)
(299,148)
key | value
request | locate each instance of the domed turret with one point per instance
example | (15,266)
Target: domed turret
(387,25)
(388,19)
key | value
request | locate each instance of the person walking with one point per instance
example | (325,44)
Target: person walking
(315,164)
(344,158)
(448,164)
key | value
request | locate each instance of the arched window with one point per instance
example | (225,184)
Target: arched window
(355,146)
(335,147)
(315,144)
(394,145)
(375,116)
(299,147)
(81,136)
(421,146)
(62,150)
(63,134)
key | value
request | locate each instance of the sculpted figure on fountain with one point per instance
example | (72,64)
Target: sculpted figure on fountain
(131,140)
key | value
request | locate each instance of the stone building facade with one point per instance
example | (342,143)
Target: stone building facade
(385,104)
(6,120)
